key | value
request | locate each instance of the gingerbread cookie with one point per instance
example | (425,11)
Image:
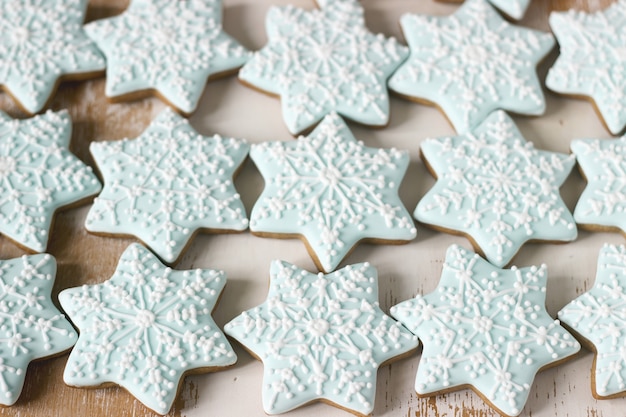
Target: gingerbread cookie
(514,9)
(603,202)
(332,191)
(31,327)
(168,184)
(38,176)
(146,328)
(169,47)
(599,317)
(497,189)
(321,338)
(472,63)
(487,329)
(324,61)
(591,63)
(41,43)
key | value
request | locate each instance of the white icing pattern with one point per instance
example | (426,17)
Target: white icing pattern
(487,328)
(145,327)
(321,337)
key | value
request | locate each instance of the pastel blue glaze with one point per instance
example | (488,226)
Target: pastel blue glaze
(472,63)
(325,60)
(320,337)
(145,327)
(512,8)
(592,62)
(172,47)
(486,328)
(495,187)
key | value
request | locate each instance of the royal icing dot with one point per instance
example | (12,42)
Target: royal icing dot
(332,190)
(319,336)
(31,327)
(38,175)
(43,40)
(167,184)
(135,329)
(497,188)
(592,62)
(146,48)
(482,348)
(472,63)
(325,60)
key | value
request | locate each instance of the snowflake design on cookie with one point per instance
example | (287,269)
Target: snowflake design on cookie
(592,62)
(148,49)
(331,190)
(514,9)
(321,337)
(168,183)
(599,316)
(325,60)
(38,175)
(145,328)
(486,328)
(472,63)
(31,327)
(495,187)
(42,41)
(603,201)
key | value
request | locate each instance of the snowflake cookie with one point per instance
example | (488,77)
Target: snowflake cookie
(603,202)
(41,43)
(31,327)
(321,338)
(325,60)
(472,63)
(485,328)
(38,175)
(592,63)
(599,317)
(332,191)
(145,328)
(515,9)
(497,189)
(167,184)
(148,50)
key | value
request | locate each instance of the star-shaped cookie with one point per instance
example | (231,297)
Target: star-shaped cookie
(331,191)
(495,188)
(321,338)
(38,175)
(146,328)
(31,327)
(472,63)
(515,9)
(485,328)
(325,60)
(169,47)
(592,62)
(603,202)
(168,184)
(42,43)
(599,316)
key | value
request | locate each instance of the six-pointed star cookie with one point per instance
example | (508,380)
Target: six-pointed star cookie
(321,337)
(592,61)
(41,42)
(167,184)
(485,328)
(171,47)
(603,202)
(496,188)
(599,316)
(325,60)
(31,327)
(332,191)
(514,9)
(38,175)
(472,63)
(145,328)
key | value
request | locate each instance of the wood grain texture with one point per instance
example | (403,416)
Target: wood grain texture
(87,259)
